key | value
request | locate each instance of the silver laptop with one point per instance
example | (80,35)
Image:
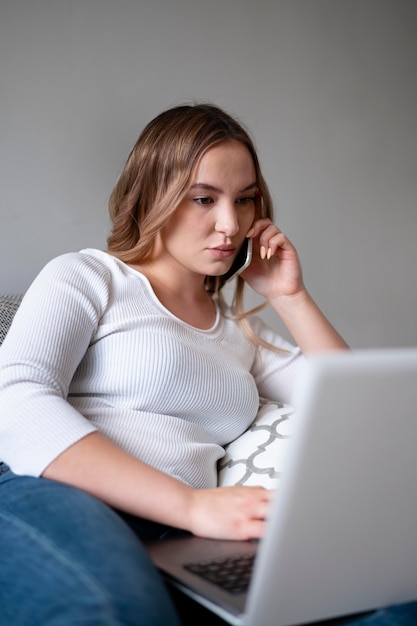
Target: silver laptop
(342,534)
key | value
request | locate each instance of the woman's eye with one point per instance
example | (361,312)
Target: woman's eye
(203,200)
(246,200)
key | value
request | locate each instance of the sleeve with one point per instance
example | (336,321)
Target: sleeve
(49,335)
(275,372)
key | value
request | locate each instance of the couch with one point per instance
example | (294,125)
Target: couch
(8,307)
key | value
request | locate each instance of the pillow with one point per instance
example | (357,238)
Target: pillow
(257,456)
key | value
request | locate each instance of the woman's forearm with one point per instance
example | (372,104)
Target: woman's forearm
(307,324)
(104,470)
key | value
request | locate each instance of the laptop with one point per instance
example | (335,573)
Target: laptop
(341,537)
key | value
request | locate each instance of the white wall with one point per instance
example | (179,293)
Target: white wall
(327,87)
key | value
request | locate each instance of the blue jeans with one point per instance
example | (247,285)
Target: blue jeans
(67,558)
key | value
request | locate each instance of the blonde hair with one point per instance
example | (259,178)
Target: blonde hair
(157,175)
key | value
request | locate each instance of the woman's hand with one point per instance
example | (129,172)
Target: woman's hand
(275,269)
(275,273)
(237,513)
(139,489)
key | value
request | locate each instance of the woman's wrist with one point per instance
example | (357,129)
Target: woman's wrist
(289,303)
(307,324)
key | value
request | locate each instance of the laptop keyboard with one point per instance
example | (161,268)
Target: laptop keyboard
(231,573)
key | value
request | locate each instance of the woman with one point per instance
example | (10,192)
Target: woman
(125,374)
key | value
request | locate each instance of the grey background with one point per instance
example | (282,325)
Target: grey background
(327,89)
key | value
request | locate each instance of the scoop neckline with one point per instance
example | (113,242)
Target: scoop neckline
(214,329)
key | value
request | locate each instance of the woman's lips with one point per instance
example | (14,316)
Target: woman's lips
(222,252)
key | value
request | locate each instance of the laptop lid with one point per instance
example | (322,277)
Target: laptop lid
(342,533)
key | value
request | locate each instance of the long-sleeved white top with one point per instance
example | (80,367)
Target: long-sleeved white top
(92,348)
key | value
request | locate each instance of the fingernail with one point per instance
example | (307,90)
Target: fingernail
(262,252)
(269,254)
(250,232)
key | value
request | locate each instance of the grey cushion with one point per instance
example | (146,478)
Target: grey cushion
(8,307)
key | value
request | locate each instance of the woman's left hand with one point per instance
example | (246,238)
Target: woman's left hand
(275,269)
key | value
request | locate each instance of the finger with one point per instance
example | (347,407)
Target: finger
(258,501)
(255,529)
(260,511)
(258,226)
(278,242)
(270,242)
(267,233)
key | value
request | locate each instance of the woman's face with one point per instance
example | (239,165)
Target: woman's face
(208,227)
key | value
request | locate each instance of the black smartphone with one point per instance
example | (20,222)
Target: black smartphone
(241,262)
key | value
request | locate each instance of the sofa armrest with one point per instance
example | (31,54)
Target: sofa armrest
(8,307)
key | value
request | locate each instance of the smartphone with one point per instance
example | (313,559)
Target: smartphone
(241,262)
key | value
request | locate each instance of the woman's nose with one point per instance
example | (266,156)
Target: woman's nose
(227,221)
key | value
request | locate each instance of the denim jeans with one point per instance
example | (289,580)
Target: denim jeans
(66,558)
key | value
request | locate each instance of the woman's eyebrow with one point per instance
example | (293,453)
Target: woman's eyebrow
(208,187)
(251,186)
(205,186)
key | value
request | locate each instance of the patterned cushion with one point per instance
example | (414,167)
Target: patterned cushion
(8,307)
(257,456)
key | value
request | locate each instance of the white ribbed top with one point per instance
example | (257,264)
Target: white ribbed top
(91,347)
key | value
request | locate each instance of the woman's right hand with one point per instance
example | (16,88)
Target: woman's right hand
(237,513)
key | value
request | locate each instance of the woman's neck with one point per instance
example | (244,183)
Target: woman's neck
(184,296)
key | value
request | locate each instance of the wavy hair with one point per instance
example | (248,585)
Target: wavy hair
(157,175)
